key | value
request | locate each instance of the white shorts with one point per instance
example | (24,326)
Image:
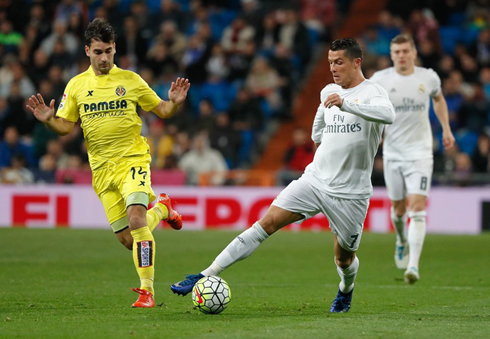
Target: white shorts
(345,216)
(407,177)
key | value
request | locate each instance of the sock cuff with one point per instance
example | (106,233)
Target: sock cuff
(142,233)
(261,232)
(417,214)
(352,268)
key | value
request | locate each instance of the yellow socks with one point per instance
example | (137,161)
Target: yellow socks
(156,214)
(144,256)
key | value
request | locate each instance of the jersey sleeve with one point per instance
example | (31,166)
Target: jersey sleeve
(147,98)
(318,125)
(378,109)
(434,82)
(68,108)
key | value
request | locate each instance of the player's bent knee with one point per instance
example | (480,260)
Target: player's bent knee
(125,238)
(345,258)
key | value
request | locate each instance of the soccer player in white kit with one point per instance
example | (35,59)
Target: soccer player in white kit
(347,130)
(407,147)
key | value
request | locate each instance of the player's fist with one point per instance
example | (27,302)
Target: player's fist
(333,100)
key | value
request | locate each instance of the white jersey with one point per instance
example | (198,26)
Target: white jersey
(349,138)
(410,137)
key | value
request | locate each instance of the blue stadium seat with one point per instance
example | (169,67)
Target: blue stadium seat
(220,93)
(467,140)
(450,37)
(314,36)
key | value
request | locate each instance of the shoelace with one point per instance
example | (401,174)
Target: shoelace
(141,291)
(190,280)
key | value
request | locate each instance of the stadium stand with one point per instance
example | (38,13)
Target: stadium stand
(224,47)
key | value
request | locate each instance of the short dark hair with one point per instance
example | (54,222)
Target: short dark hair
(402,38)
(349,45)
(99,30)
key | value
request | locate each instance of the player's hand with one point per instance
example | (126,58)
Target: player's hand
(333,100)
(37,106)
(447,139)
(178,91)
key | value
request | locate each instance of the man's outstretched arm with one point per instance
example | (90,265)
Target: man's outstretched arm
(46,115)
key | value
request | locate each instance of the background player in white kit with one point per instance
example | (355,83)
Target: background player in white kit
(407,147)
(347,129)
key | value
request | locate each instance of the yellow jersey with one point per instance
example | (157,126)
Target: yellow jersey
(106,105)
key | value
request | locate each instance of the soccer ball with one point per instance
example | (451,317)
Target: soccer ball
(211,295)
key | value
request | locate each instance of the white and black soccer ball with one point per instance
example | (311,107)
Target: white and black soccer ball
(211,295)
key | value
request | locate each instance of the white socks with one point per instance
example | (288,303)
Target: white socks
(399,225)
(416,236)
(240,248)
(347,276)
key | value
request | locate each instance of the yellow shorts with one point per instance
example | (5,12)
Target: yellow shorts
(116,181)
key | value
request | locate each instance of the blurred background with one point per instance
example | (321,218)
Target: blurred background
(256,68)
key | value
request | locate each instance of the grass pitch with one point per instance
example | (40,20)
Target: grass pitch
(65,283)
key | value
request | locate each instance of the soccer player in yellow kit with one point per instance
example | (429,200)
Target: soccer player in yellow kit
(105,98)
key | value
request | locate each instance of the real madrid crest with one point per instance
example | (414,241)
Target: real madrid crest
(421,88)
(120,91)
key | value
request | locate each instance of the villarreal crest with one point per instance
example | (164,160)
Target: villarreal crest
(120,91)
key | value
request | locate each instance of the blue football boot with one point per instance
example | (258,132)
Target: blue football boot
(342,301)
(185,286)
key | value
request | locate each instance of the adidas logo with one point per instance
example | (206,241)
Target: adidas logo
(393,90)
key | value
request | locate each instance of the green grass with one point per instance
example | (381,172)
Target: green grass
(65,283)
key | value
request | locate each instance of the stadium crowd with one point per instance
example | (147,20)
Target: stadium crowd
(245,60)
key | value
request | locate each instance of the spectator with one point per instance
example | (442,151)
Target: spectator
(131,43)
(203,159)
(294,34)
(423,26)
(160,61)
(485,80)
(246,118)
(298,155)
(5,116)
(252,12)
(374,43)
(173,39)
(26,86)
(169,11)
(266,37)
(264,82)
(111,11)
(11,146)
(240,63)
(481,48)
(47,170)
(194,60)
(428,55)
(39,67)
(21,118)
(54,147)
(9,38)
(481,157)
(226,139)
(236,35)
(38,25)
(206,120)
(18,173)
(55,76)
(161,144)
(319,16)
(60,57)
(66,8)
(60,31)
(217,66)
